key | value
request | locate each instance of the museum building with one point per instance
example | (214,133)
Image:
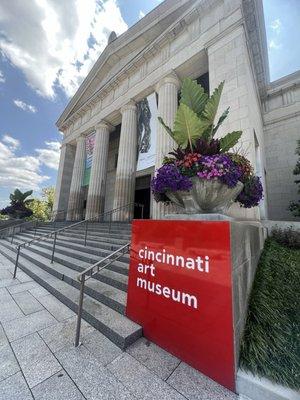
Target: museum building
(112,140)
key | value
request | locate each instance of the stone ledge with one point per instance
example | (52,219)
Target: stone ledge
(252,387)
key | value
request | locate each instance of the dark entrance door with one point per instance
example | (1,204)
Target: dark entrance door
(142,196)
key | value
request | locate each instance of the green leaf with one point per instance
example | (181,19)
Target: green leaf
(187,126)
(212,105)
(27,194)
(230,140)
(167,128)
(221,119)
(193,96)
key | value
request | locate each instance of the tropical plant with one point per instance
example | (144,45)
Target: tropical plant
(295,205)
(200,154)
(18,207)
(195,118)
(18,197)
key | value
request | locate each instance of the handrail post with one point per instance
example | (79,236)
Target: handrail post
(79,312)
(53,248)
(13,234)
(86,231)
(142,211)
(17,262)
(35,228)
(109,228)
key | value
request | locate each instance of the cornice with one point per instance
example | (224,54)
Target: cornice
(168,35)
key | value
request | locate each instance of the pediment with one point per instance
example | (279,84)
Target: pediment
(124,50)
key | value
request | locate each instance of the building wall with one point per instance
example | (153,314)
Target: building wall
(282,130)
(219,36)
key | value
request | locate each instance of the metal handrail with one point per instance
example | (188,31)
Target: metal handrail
(56,232)
(21,225)
(64,212)
(87,274)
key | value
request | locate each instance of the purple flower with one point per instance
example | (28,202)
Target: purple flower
(169,178)
(252,192)
(219,166)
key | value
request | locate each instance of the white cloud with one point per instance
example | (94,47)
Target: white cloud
(11,142)
(24,106)
(49,156)
(274,45)
(18,171)
(2,79)
(57,42)
(276,25)
(141,14)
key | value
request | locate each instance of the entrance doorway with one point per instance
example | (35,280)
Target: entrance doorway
(142,196)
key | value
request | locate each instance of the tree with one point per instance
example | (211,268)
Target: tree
(42,208)
(18,205)
(295,205)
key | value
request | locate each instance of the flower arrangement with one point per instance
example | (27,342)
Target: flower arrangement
(201,156)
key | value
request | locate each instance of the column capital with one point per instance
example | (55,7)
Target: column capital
(129,106)
(170,78)
(104,125)
(80,138)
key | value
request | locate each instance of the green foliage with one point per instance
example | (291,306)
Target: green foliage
(295,205)
(187,126)
(287,237)
(42,208)
(221,119)
(211,107)
(193,96)
(229,141)
(167,128)
(19,197)
(270,347)
(196,115)
(18,205)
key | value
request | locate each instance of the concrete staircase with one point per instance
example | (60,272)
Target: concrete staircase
(105,293)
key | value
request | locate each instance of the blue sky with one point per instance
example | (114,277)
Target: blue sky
(45,55)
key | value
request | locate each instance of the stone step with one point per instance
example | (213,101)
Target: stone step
(111,323)
(91,244)
(91,235)
(104,293)
(91,228)
(108,275)
(100,250)
(80,252)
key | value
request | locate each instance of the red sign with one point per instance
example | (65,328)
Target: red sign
(180,292)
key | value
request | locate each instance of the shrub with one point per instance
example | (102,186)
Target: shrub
(287,237)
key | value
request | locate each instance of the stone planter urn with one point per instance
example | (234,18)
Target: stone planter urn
(205,197)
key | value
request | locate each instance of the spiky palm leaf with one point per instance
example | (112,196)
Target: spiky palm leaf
(230,140)
(167,128)
(220,121)
(211,107)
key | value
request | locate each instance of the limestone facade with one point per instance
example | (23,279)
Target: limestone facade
(179,38)
(281,114)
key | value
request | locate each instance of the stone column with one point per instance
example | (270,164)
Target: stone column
(96,193)
(63,182)
(167,90)
(75,205)
(126,167)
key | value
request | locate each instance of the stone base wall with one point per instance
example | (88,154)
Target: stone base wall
(247,241)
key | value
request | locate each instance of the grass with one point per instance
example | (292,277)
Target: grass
(271,342)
